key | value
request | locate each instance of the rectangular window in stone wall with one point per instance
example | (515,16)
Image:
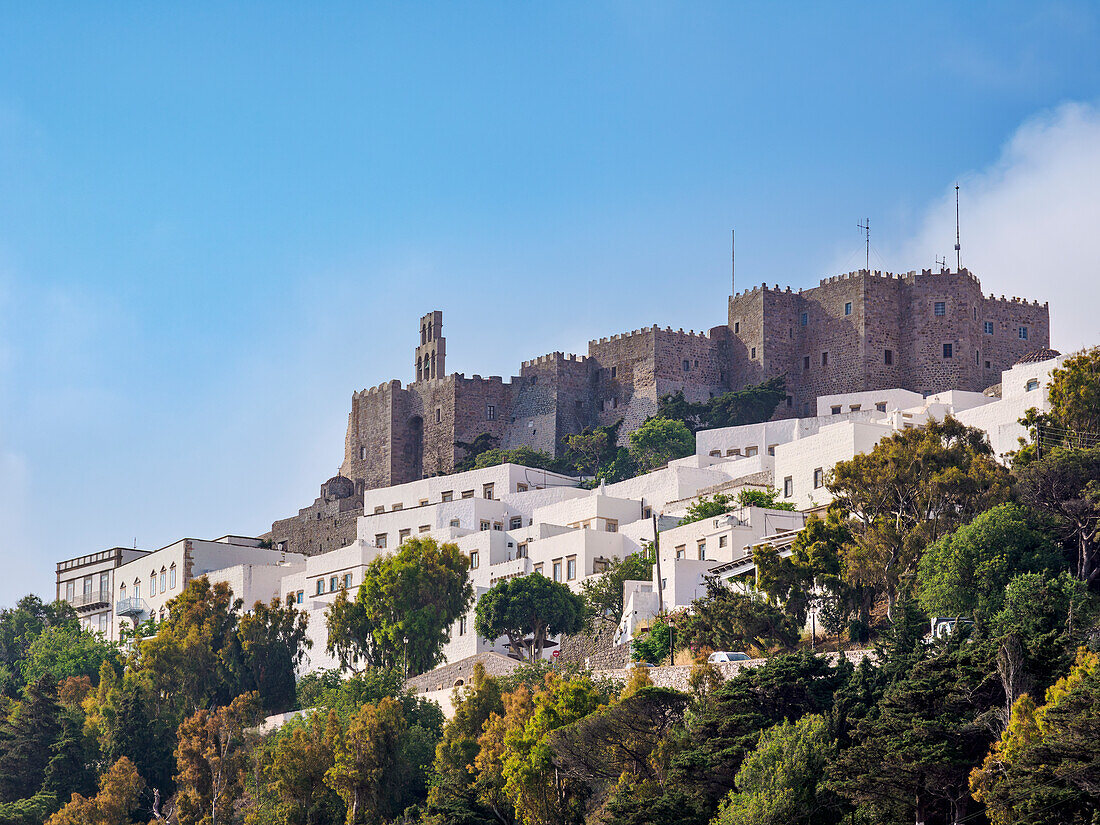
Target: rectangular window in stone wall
(467,493)
(490,412)
(557,570)
(753,353)
(834,410)
(788,487)
(736,327)
(805,362)
(571,568)
(681,551)
(987,365)
(824,359)
(485,525)
(881,406)
(848,308)
(1023,333)
(380,541)
(888,358)
(948,350)
(403,534)
(447,496)
(487,491)
(687,365)
(940,309)
(804,319)
(819,478)
(614,371)
(988,327)
(474,559)
(790,402)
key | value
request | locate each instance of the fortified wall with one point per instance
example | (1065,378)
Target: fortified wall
(866,330)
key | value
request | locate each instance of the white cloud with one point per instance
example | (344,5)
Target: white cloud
(1031,222)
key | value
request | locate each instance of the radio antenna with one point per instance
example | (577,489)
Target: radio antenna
(866,227)
(958,246)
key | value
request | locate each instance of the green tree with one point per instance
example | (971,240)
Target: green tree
(195,658)
(19,627)
(1064,486)
(69,770)
(659,441)
(483,443)
(603,594)
(750,405)
(596,452)
(27,738)
(654,644)
(528,610)
(299,757)
(403,608)
(540,794)
(273,642)
(912,488)
(210,758)
(453,795)
(120,789)
(1073,420)
(522,455)
(913,753)
(63,650)
(726,728)
(726,619)
(368,769)
(780,780)
(767,498)
(965,572)
(1044,768)
(706,508)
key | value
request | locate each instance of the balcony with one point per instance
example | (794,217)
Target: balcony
(86,602)
(131,608)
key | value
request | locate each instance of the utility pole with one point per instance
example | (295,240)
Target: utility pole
(657,558)
(866,227)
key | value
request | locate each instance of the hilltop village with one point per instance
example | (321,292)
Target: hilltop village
(861,356)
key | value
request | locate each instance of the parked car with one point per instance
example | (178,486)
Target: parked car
(721,656)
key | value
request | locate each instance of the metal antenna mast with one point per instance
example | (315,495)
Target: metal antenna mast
(733,270)
(941,262)
(866,227)
(958,246)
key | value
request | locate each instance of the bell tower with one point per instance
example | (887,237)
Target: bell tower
(431,353)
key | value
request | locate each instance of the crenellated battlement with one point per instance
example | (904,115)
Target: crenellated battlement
(554,357)
(384,387)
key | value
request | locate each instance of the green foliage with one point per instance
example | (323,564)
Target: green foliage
(705,760)
(1073,420)
(31,811)
(1043,770)
(205,654)
(748,406)
(965,572)
(910,490)
(27,739)
(603,594)
(780,780)
(768,499)
(726,619)
(473,449)
(61,651)
(911,758)
(522,455)
(706,508)
(654,645)
(528,610)
(403,608)
(1064,486)
(659,441)
(19,627)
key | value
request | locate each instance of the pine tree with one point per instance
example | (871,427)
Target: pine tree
(27,739)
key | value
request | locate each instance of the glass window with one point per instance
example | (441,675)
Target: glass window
(988,327)
(300,597)
(824,359)
(1033,384)
(70,590)
(702,551)
(347,580)
(163,580)
(571,569)
(723,541)
(487,491)
(948,349)
(380,541)
(121,592)
(474,560)
(819,478)
(320,586)
(461,625)
(448,496)
(681,551)
(522,488)
(805,362)
(940,309)
(557,571)
(515,522)
(172,577)
(334,583)
(804,319)
(484,525)
(835,409)
(848,308)
(1023,333)
(137,590)
(888,357)
(753,353)
(881,406)
(490,412)
(611,525)
(152,584)
(788,487)
(687,365)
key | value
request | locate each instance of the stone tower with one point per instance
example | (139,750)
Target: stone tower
(431,354)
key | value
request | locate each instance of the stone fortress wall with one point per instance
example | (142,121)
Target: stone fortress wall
(864,330)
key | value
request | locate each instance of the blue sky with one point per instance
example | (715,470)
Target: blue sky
(217,221)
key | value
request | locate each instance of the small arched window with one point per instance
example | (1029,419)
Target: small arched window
(153,583)
(137,588)
(172,576)
(163,579)
(122,593)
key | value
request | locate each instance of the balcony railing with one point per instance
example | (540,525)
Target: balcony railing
(131,607)
(89,601)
